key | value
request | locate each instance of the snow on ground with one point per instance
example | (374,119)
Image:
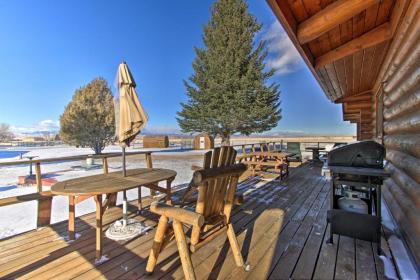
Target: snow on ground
(21,217)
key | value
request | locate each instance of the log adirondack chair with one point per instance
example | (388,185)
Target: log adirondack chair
(216,185)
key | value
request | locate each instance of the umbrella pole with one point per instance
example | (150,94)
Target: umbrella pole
(124,209)
(123,158)
(124,192)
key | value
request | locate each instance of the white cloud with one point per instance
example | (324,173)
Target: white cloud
(283,56)
(49,126)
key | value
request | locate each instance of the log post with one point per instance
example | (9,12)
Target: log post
(99,214)
(72,216)
(236,250)
(149,164)
(38,177)
(184,253)
(44,211)
(44,204)
(157,244)
(105,165)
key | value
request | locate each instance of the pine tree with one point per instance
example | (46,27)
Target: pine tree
(89,119)
(228,92)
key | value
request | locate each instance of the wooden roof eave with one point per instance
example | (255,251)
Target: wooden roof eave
(290,26)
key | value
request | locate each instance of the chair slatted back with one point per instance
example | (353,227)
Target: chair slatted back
(214,195)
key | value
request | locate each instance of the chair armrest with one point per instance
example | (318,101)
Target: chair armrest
(196,167)
(176,213)
(204,175)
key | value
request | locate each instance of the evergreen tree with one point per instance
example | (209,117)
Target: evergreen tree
(228,92)
(89,119)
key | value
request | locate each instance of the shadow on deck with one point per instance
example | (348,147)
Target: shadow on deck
(276,246)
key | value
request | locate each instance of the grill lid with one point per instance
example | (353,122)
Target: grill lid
(368,154)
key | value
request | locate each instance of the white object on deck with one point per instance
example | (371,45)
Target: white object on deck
(126,228)
(133,228)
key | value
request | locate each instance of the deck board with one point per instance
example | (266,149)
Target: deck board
(281,228)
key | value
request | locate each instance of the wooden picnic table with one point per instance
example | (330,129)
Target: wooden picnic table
(278,160)
(80,189)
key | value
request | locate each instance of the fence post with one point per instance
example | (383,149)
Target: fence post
(105,165)
(149,165)
(281,145)
(44,204)
(38,177)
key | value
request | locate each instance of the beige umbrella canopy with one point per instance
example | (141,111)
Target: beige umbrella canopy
(131,117)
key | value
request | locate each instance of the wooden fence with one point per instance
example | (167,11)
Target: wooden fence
(44,198)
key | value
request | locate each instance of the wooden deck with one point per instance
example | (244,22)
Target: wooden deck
(292,247)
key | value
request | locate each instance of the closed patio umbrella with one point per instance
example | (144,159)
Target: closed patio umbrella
(130,118)
(130,115)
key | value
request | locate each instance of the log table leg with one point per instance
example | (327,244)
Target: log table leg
(168,191)
(72,216)
(99,213)
(139,203)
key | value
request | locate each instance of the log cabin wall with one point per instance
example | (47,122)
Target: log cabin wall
(401,128)
(365,56)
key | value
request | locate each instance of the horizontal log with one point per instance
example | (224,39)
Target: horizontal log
(406,38)
(396,14)
(369,120)
(406,204)
(366,136)
(405,143)
(398,41)
(409,123)
(330,17)
(407,104)
(405,183)
(407,86)
(406,228)
(25,198)
(407,67)
(367,96)
(359,105)
(177,213)
(408,164)
(352,111)
(376,36)
(202,176)
(351,116)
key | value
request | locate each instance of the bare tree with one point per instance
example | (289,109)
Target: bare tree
(5,133)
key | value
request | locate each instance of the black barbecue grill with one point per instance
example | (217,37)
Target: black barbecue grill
(356,179)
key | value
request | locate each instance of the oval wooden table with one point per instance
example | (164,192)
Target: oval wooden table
(96,186)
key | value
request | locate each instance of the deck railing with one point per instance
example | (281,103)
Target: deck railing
(277,145)
(44,198)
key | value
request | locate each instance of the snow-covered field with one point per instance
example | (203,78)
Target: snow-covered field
(21,217)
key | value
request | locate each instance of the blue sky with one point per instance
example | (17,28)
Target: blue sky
(50,48)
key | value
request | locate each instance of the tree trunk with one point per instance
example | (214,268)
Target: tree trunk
(97,148)
(225,139)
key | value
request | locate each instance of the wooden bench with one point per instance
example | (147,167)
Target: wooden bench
(260,164)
